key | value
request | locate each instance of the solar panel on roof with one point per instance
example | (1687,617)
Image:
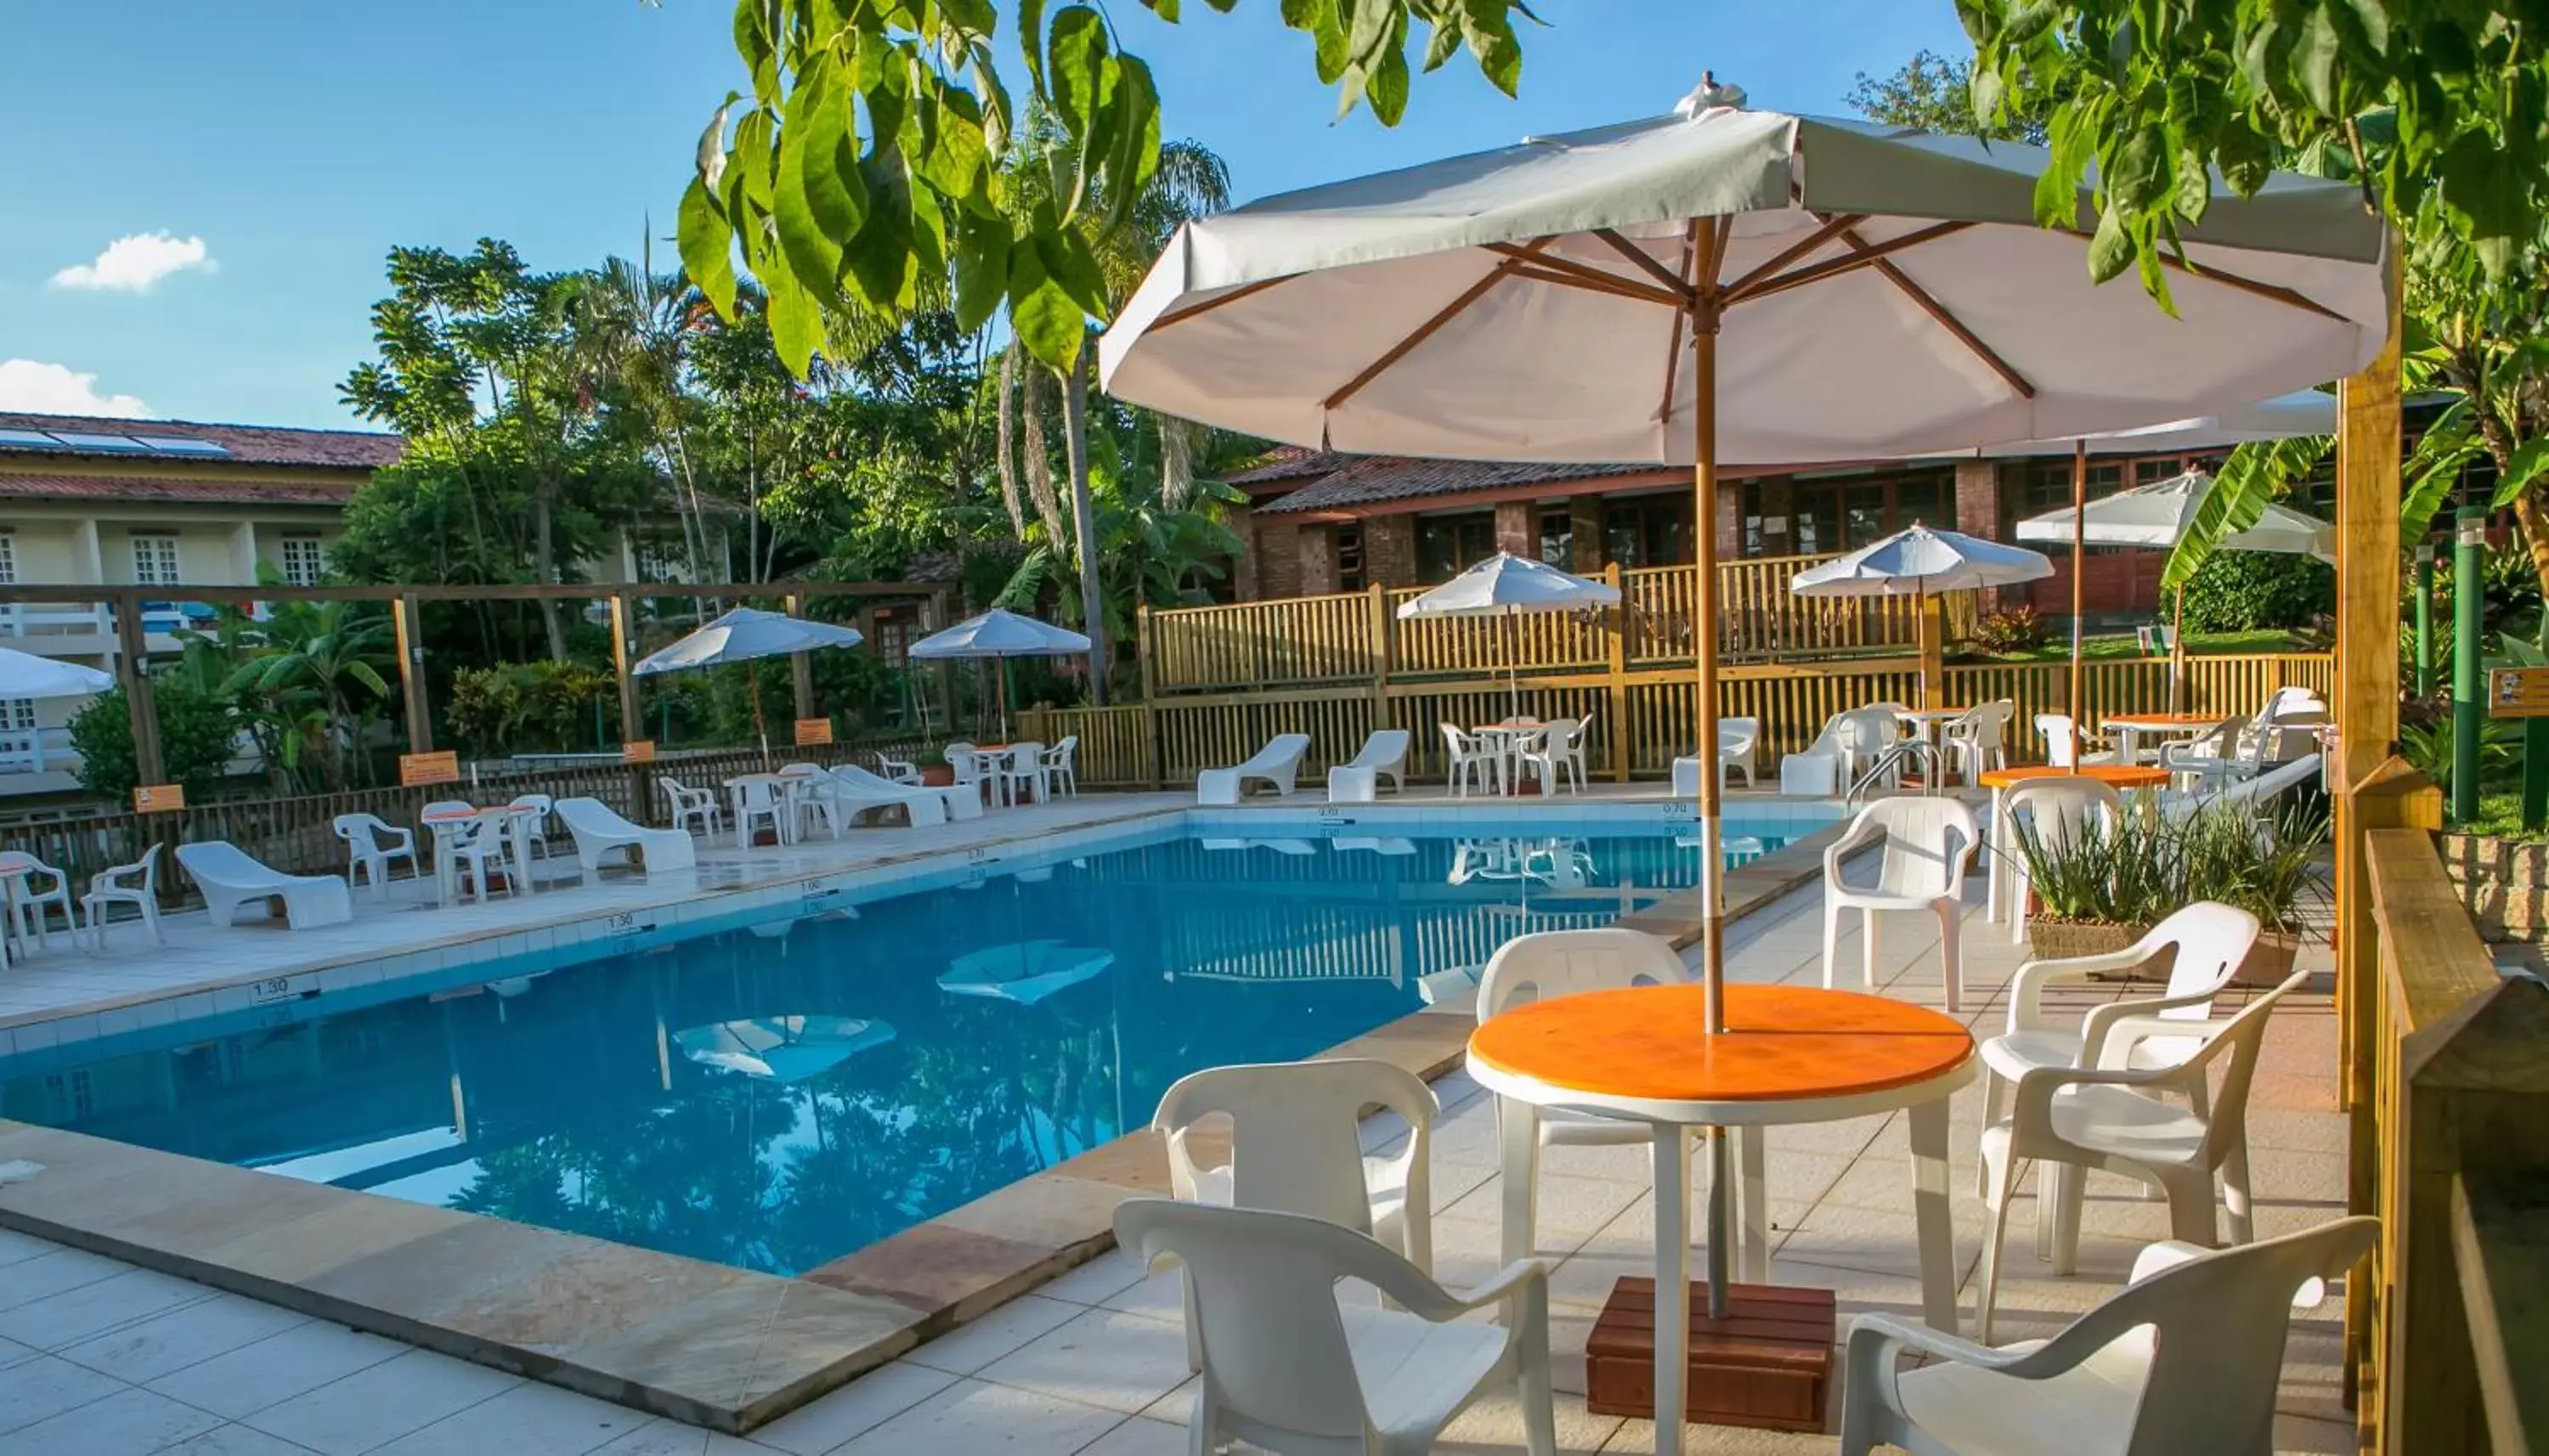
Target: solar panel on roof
(78,441)
(28,439)
(181,445)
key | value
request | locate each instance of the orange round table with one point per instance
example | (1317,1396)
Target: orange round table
(2000,879)
(1788,1055)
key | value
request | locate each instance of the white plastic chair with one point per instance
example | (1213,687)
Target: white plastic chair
(1062,767)
(1849,745)
(1470,759)
(1290,1367)
(2117,1118)
(2054,813)
(1739,747)
(2064,740)
(372,843)
(1383,752)
(1567,963)
(760,799)
(114,886)
(2188,1357)
(686,804)
(897,770)
(469,843)
(2214,759)
(1022,775)
(809,796)
(1928,844)
(1557,758)
(535,833)
(31,904)
(1979,742)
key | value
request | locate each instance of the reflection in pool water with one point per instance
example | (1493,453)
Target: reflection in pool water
(781,1094)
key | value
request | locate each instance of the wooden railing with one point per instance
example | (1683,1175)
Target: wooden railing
(297,834)
(1308,640)
(1641,717)
(2448,1325)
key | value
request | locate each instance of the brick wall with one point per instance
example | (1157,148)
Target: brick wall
(1978,514)
(1730,519)
(1518,529)
(1389,550)
(1278,559)
(1318,558)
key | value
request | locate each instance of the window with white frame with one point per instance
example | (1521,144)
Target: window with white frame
(302,562)
(8,557)
(16,714)
(154,559)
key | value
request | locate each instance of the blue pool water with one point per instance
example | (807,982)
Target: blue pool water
(776,1094)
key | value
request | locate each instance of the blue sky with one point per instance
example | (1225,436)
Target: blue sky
(300,140)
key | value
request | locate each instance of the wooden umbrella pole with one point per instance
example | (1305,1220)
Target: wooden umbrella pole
(2079,550)
(1712,829)
(2177,654)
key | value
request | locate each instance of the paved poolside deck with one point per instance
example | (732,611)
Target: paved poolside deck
(106,1359)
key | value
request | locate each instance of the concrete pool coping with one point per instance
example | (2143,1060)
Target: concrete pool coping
(726,1348)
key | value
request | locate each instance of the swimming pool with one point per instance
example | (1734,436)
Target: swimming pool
(780,1089)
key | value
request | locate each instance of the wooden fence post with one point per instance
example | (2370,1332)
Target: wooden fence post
(1931,629)
(130,655)
(623,638)
(1623,735)
(1378,624)
(1145,647)
(411,654)
(801,667)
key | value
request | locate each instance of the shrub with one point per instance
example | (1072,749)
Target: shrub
(2258,590)
(2135,872)
(2009,629)
(526,707)
(197,737)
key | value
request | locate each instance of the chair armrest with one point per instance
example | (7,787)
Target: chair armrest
(1838,850)
(1876,1336)
(1518,1279)
(2110,1032)
(2026,988)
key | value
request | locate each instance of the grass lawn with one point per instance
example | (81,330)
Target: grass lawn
(2124,645)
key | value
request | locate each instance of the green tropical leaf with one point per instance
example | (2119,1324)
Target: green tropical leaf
(879,256)
(981,269)
(1041,314)
(2521,469)
(2248,481)
(708,246)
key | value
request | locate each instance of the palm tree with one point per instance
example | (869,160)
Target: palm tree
(316,667)
(631,325)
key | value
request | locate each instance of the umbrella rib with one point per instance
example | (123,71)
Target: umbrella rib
(1670,280)
(1946,320)
(1673,351)
(1543,268)
(2271,292)
(1818,272)
(1471,295)
(1789,255)
(1180,315)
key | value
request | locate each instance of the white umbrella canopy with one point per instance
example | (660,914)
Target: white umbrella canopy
(1026,972)
(24,674)
(745,634)
(2301,412)
(1921,562)
(1504,584)
(998,634)
(2157,516)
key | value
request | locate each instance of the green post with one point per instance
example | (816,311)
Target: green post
(2424,619)
(2469,705)
(2535,773)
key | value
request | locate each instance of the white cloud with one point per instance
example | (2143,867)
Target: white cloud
(52,388)
(133,264)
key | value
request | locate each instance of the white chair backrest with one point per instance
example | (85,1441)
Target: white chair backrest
(2219,1323)
(1924,840)
(1026,757)
(1296,1130)
(1067,751)
(2239,1041)
(960,759)
(2211,939)
(1458,744)
(1262,1289)
(1280,750)
(593,816)
(2061,811)
(359,830)
(2061,739)
(1564,963)
(1734,735)
(1387,746)
(682,794)
(759,794)
(221,860)
(1835,735)
(1871,730)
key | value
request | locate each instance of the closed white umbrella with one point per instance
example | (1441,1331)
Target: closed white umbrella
(1886,291)
(1000,634)
(746,636)
(1505,585)
(24,674)
(1923,562)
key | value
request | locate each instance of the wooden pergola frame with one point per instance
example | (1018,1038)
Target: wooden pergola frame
(125,602)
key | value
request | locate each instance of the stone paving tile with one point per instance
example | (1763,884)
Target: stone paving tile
(130,1423)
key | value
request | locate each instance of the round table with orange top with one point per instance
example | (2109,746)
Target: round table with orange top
(1788,1055)
(2001,879)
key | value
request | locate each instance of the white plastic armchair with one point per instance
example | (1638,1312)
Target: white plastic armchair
(2215,758)
(1296,1146)
(372,843)
(686,803)
(2124,1121)
(896,771)
(118,887)
(1979,742)
(2186,1358)
(2066,741)
(1849,744)
(1287,1366)
(1557,758)
(1927,844)
(1062,766)
(1385,753)
(2053,813)
(1468,760)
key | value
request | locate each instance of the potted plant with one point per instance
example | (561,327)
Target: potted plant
(2265,868)
(2103,887)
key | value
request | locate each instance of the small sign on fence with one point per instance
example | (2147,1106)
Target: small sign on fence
(158,798)
(637,750)
(811,732)
(2517,693)
(416,768)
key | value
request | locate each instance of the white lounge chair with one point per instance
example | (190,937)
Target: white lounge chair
(2188,1357)
(599,830)
(229,878)
(1278,762)
(853,790)
(1384,754)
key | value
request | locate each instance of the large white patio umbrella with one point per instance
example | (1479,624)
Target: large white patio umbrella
(1884,292)
(1923,562)
(1023,971)
(999,635)
(746,636)
(1508,586)
(2158,515)
(24,674)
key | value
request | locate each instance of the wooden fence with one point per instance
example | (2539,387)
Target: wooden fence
(297,834)
(1308,640)
(2448,1061)
(1640,718)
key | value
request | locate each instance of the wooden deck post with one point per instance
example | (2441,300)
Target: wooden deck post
(623,646)
(1933,631)
(1146,650)
(1624,734)
(131,653)
(1376,620)
(410,666)
(801,667)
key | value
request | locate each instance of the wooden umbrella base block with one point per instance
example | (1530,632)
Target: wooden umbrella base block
(1767,1364)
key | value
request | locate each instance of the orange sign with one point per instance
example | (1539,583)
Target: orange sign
(2517,693)
(813,731)
(416,768)
(637,750)
(158,798)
